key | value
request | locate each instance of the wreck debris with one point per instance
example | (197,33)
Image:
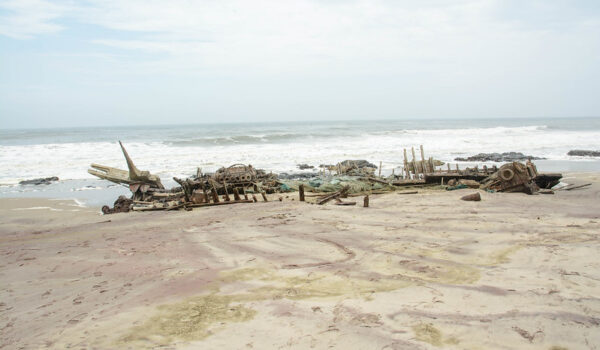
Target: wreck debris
(237,174)
(573,187)
(513,177)
(340,202)
(133,176)
(340,193)
(121,205)
(352,177)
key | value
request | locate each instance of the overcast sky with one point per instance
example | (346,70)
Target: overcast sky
(128,62)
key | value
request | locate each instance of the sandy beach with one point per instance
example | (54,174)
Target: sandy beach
(422,271)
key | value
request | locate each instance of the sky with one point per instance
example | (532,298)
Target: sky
(132,62)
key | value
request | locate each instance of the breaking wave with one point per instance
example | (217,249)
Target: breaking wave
(179,150)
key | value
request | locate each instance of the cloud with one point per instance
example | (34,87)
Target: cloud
(25,19)
(450,39)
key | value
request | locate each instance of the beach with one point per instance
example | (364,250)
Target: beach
(420,271)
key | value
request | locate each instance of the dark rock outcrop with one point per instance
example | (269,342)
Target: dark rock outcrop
(40,181)
(296,176)
(583,153)
(497,157)
(359,163)
(305,166)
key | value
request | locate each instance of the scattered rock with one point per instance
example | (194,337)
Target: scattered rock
(40,181)
(474,197)
(305,166)
(497,157)
(583,153)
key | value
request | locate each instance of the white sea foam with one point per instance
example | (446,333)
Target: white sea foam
(281,150)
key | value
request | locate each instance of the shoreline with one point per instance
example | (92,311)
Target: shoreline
(418,271)
(98,196)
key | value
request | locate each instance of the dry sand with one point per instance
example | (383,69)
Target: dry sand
(424,271)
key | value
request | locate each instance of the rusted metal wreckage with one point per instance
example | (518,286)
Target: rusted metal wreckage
(148,192)
(244,182)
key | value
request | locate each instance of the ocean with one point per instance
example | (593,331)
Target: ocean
(178,150)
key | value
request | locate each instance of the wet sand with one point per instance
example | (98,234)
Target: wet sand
(423,271)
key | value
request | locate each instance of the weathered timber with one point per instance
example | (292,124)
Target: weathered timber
(409,182)
(423,164)
(573,187)
(220,203)
(366,201)
(414,163)
(373,179)
(215,195)
(134,175)
(334,195)
(406,171)
(301,192)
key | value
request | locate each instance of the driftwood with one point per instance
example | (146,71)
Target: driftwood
(411,192)
(220,203)
(378,180)
(340,193)
(572,187)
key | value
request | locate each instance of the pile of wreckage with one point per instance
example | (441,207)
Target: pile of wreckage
(347,178)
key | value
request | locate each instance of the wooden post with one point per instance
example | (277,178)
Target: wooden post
(431,165)
(448,167)
(301,191)
(255,188)
(244,193)
(206,198)
(379,168)
(423,164)
(264,196)
(236,194)
(254,198)
(414,161)
(406,171)
(366,201)
(215,195)
(457,171)
(226,198)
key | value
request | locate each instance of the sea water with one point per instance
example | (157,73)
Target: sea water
(178,150)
